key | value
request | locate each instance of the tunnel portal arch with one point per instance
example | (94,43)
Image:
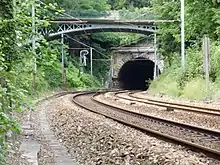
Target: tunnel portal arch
(120,56)
(136,74)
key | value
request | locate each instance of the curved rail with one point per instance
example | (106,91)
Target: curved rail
(170,105)
(205,140)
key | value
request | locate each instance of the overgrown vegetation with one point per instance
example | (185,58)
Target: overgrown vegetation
(85,8)
(17,57)
(201,18)
(17,64)
(103,42)
(135,13)
(190,84)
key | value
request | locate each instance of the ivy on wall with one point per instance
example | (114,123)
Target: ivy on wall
(7,33)
(8,56)
(6,9)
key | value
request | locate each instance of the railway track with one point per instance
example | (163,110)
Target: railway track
(202,139)
(169,105)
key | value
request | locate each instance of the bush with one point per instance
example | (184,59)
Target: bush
(190,83)
(53,75)
(165,84)
(194,89)
(75,79)
(89,81)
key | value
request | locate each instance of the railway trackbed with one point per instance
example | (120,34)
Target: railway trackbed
(169,105)
(197,138)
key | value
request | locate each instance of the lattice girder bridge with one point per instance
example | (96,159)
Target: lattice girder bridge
(85,26)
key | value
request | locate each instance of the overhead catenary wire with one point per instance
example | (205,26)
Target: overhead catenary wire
(96,59)
(81,20)
(88,46)
(105,61)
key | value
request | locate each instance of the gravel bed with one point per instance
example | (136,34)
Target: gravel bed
(201,120)
(93,139)
(165,128)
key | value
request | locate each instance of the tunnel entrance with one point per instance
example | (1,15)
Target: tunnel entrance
(135,74)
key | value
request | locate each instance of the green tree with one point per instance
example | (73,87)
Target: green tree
(201,17)
(8,57)
(84,7)
(120,4)
(117,4)
(138,3)
(7,33)
(16,63)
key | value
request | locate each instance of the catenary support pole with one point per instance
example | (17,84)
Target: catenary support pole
(33,46)
(182,37)
(62,51)
(155,56)
(206,54)
(91,69)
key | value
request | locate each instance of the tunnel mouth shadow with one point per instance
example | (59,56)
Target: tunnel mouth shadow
(136,74)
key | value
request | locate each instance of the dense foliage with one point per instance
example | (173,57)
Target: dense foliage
(120,4)
(102,42)
(145,13)
(17,59)
(83,8)
(9,96)
(201,18)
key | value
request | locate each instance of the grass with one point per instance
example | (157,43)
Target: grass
(195,89)
(166,85)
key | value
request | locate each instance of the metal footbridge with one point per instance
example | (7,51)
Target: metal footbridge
(84,26)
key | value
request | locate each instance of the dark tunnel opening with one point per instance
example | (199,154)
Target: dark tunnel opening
(135,74)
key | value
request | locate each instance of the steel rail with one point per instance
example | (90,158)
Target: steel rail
(171,124)
(190,106)
(171,105)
